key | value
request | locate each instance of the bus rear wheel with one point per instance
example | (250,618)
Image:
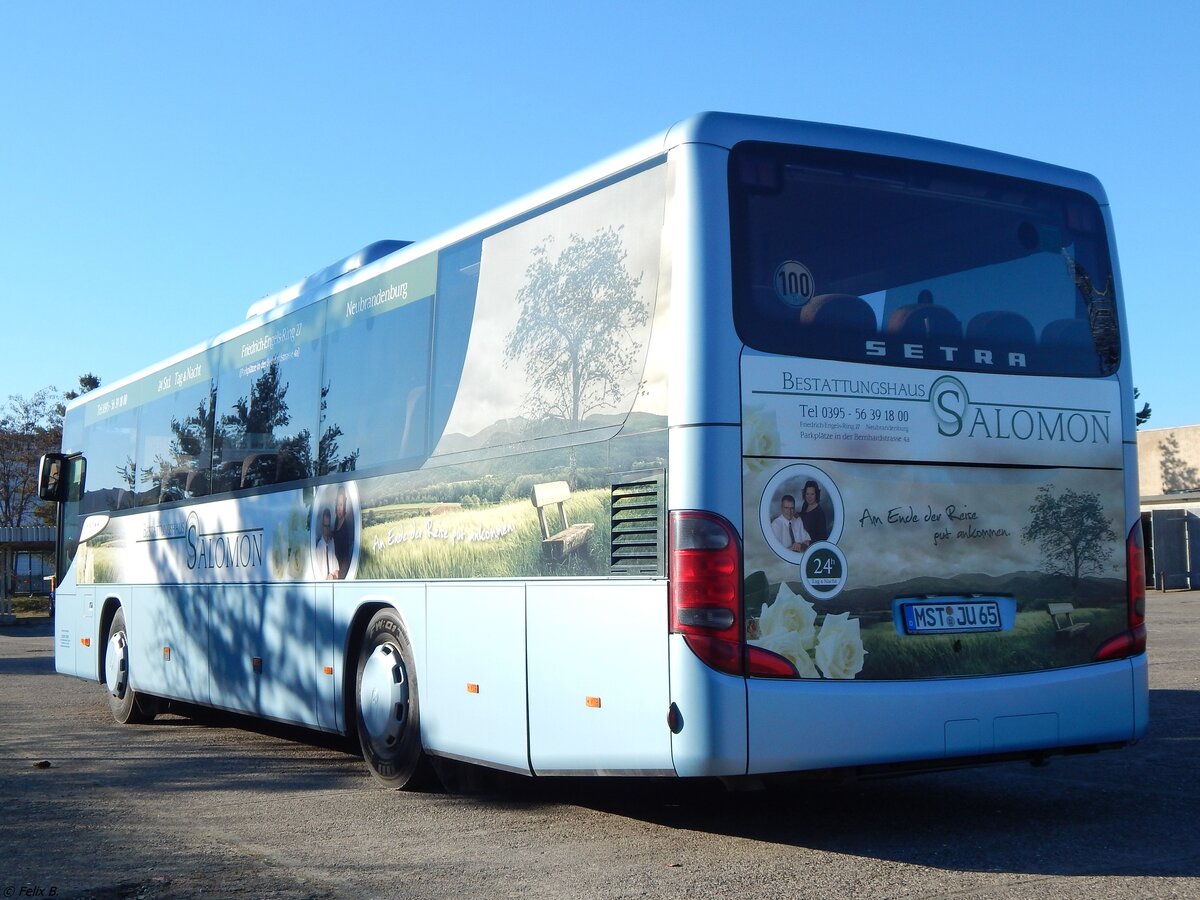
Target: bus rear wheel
(127,706)
(386,705)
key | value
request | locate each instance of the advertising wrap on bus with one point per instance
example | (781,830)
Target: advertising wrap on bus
(368,530)
(1016,501)
(342,390)
(636,477)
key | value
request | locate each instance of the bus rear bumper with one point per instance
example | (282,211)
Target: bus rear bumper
(836,724)
(709,737)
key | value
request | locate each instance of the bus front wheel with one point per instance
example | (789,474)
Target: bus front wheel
(386,705)
(127,706)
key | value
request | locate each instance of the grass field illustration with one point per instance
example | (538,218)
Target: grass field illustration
(450,540)
(782,620)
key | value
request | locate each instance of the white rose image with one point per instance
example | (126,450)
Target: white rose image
(288,555)
(760,434)
(789,645)
(298,543)
(278,557)
(790,613)
(839,647)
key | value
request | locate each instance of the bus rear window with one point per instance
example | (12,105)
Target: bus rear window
(850,256)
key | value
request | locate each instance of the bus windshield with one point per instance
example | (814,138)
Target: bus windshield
(850,256)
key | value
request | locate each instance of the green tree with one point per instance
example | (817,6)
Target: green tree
(29,427)
(1075,536)
(87,383)
(1142,416)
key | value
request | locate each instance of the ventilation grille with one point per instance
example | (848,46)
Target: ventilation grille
(638,525)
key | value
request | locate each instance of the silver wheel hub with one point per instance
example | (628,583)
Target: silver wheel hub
(383,696)
(116,665)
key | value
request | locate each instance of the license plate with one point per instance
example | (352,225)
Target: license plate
(951,616)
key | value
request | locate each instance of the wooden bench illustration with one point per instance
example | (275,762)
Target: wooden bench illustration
(1063,617)
(558,546)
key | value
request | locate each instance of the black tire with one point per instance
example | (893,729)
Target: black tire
(386,706)
(466,779)
(127,706)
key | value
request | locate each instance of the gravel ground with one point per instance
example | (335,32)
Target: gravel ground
(218,806)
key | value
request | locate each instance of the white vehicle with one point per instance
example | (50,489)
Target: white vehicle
(763,447)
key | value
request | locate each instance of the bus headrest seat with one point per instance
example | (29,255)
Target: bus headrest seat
(839,312)
(924,321)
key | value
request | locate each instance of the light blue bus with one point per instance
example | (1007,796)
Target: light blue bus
(763,447)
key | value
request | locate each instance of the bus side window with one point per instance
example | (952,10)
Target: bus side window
(227,476)
(112,469)
(374,389)
(259,470)
(173,485)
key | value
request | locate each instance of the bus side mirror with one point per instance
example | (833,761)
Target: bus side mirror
(51,484)
(60,477)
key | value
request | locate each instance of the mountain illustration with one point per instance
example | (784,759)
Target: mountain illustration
(520,429)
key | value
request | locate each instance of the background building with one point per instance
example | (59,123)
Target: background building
(26,558)
(1169,485)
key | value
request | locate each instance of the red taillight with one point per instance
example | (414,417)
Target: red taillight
(1135,558)
(1133,641)
(706,597)
(764,663)
(724,656)
(706,588)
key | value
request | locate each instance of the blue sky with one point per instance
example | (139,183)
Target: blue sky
(165,165)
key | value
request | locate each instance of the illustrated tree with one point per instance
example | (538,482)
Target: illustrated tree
(576,333)
(1075,536)
(1177,475)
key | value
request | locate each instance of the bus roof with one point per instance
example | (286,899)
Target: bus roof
(716,128)
(726,129)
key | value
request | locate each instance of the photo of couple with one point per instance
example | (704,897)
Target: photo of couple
(800,510)
(334,553)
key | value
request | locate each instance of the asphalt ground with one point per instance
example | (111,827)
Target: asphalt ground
(208,805)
